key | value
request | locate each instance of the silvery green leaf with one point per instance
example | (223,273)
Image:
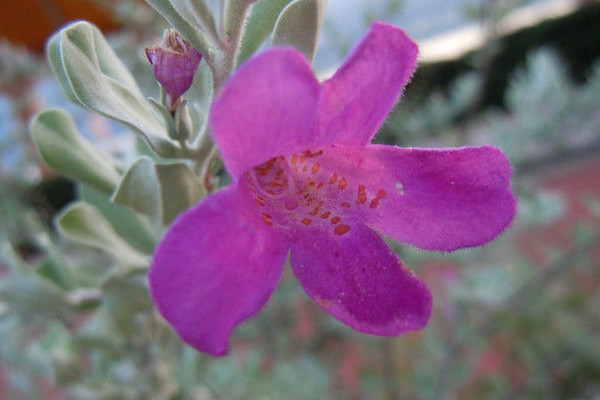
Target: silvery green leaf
(10,259)
(125,296)
(161,191)
(142,148)
(53,53)
(64,149)
(260,25)
(201,89)
(83,223)
(299,25)
(187,29)
(180,189)
(30,295)
(57,344)
(98,331)
(102,83)
(94,47)
(139,189)
(132,227)
(166,114)
(199,15)
(201,93)
(56,265)
(181,126)
(199,116)
(56,273)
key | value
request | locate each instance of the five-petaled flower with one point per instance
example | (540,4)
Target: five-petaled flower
(307,179)
(174,63)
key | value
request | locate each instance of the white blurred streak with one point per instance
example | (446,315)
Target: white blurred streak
(455,44)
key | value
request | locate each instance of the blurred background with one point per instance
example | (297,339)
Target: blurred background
(516,319)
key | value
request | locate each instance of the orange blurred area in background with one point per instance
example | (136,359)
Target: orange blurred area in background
(31,22)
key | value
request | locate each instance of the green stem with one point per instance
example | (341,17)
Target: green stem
(222,65)
(236,12)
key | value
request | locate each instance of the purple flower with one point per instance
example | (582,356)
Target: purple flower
(307,179)
(175,63)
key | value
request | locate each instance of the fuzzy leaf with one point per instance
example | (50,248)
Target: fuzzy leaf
(31,295)
(53,53)
(98,331)
(56,273)
(64,149)
(185,27)
(11,261)
(198,14)
(299,25)
(126,296)
(132,227)
(180,189)
(260,25)
(84,224)
(161,191)
(102,83)
(139,189)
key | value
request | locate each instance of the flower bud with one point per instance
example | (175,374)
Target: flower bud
(175,62)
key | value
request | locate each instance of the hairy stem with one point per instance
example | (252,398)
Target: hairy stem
(221,67)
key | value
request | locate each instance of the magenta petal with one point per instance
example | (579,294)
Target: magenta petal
(216,267)
(440,199)
(174,71)
(357,279)
(268,108)
(356,100)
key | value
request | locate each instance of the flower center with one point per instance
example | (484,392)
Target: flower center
(296,191)
(308,190)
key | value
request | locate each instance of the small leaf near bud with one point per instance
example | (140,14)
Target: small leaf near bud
(183,121)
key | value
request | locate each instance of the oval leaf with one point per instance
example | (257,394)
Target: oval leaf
(65,151)
(185,27)
(133,228)
(161,191)
(139,189)
(299,25)
(30,295)
(102,83)
(98,331)
(84,224)
(180,189)
(53,54)
(126,296)
(260,25)
(200,12)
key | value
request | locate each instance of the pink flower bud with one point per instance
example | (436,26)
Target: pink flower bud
(175,63)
